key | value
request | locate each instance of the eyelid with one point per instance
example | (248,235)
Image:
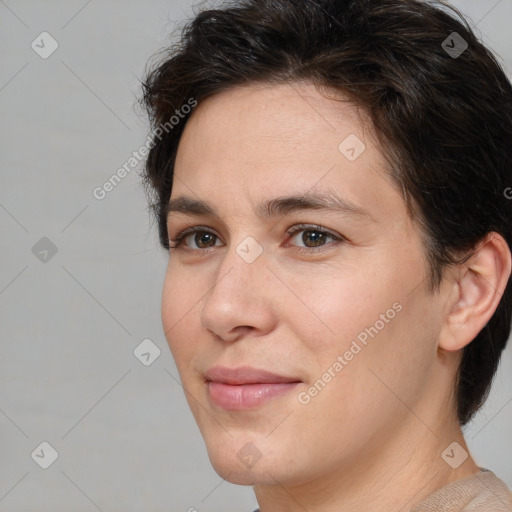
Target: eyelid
(297,228)
(179,238)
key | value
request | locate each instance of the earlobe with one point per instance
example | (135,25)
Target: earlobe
(477,292)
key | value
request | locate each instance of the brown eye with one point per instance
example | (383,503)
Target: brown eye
(194,239)
(313,238)
(204,239)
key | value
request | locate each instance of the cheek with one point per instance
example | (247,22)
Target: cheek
(338,308)
(369,318)
(180,303)
(387,352)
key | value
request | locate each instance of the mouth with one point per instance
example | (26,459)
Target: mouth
(245,387)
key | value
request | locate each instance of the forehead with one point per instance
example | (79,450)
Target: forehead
(263,121)
(260,141)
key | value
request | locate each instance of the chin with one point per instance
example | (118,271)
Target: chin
(242,462)
(237,475)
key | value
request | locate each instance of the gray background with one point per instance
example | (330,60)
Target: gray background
(69,325)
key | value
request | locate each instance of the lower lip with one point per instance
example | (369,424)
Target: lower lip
(246,396)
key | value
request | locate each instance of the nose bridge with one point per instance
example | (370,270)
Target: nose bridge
(235,297)
(242,264)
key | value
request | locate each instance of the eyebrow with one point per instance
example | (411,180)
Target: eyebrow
(278,206)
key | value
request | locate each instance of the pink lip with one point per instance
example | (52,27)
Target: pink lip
(245,387)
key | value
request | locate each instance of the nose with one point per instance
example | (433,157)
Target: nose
(241,299)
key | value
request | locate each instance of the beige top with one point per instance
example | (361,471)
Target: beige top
(481,492)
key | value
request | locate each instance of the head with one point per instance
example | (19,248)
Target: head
(360,103)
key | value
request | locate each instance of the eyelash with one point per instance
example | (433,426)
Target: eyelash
(180,237)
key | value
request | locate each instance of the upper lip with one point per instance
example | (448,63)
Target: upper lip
(245,375)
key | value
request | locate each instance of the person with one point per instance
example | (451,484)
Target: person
(330,179)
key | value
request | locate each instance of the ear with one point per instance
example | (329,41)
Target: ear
(476,292)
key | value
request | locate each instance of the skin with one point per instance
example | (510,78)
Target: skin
(373,437)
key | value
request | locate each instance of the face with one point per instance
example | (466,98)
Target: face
(295,303)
